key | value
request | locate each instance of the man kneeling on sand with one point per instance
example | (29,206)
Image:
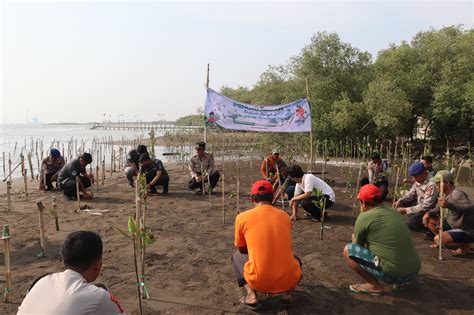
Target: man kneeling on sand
(71,291)
(381,248)
(264,262)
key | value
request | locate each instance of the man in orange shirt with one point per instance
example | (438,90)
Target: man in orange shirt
(268,167)
(265,261)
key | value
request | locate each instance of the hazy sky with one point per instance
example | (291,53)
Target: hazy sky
(76,61)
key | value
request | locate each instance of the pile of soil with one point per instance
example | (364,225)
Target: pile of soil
(188,268)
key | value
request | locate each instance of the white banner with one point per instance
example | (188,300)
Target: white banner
(231,114)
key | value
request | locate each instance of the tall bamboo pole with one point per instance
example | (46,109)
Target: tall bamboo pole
(207,87)
(238,184)
(7,297)
(310,133)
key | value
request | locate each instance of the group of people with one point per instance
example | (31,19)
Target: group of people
(139,162)
(381,249)
(54,169)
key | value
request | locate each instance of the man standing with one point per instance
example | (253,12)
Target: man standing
(264,261)
(67,177)
(420,199)
(201,166)
(306,184)
(132,168)
(155,173)
(71,291)
(50,167)
(458,229)
(381,248)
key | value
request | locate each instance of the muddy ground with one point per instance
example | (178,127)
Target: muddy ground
(188,268)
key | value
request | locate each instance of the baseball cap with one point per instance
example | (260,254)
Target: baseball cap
(275,151)
(446,175)
(261,187)
(369,192)
(416,169)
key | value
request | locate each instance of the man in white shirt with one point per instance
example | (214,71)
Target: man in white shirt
(304,193)
(71,291)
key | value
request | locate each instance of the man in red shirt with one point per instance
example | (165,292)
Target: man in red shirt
(264,261)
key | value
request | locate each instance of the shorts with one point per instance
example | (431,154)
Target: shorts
(370,263)
(460,236)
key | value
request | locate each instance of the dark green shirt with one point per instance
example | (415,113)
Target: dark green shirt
(384,232)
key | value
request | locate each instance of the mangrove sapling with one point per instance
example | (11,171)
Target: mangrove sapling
(146,237)
(320,202)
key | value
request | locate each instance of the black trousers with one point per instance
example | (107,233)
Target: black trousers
(163,181)
(69,186)
(49,183)
(311,208)
(214,178)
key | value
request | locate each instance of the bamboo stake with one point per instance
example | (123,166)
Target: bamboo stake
(357,188)
(3,160)
(223,197)
(55,212)
(103,171)
(209,189)
(238,185)
(41,229)
(441,217)
(31,166)
(25,180)
(97,176)
(7,298)
(323,214)
(77,194)
(459,172)
(9,198)
(396,187)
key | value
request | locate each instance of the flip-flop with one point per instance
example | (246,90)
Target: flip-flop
(458,253)
(358,288)
(251,306)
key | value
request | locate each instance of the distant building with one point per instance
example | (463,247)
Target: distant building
(35,120)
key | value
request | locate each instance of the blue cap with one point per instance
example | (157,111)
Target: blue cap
(416,169)
(55,153)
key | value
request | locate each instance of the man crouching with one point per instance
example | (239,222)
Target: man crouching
(264,262)
(382,248)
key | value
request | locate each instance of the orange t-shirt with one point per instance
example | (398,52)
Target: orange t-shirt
(266,231)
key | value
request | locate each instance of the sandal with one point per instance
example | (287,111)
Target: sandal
(361,289)
(458,252)
(251,306)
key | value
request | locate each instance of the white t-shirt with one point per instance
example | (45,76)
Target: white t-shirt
(67,293)
(309,181)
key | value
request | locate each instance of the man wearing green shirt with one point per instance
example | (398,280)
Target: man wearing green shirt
(381,248)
